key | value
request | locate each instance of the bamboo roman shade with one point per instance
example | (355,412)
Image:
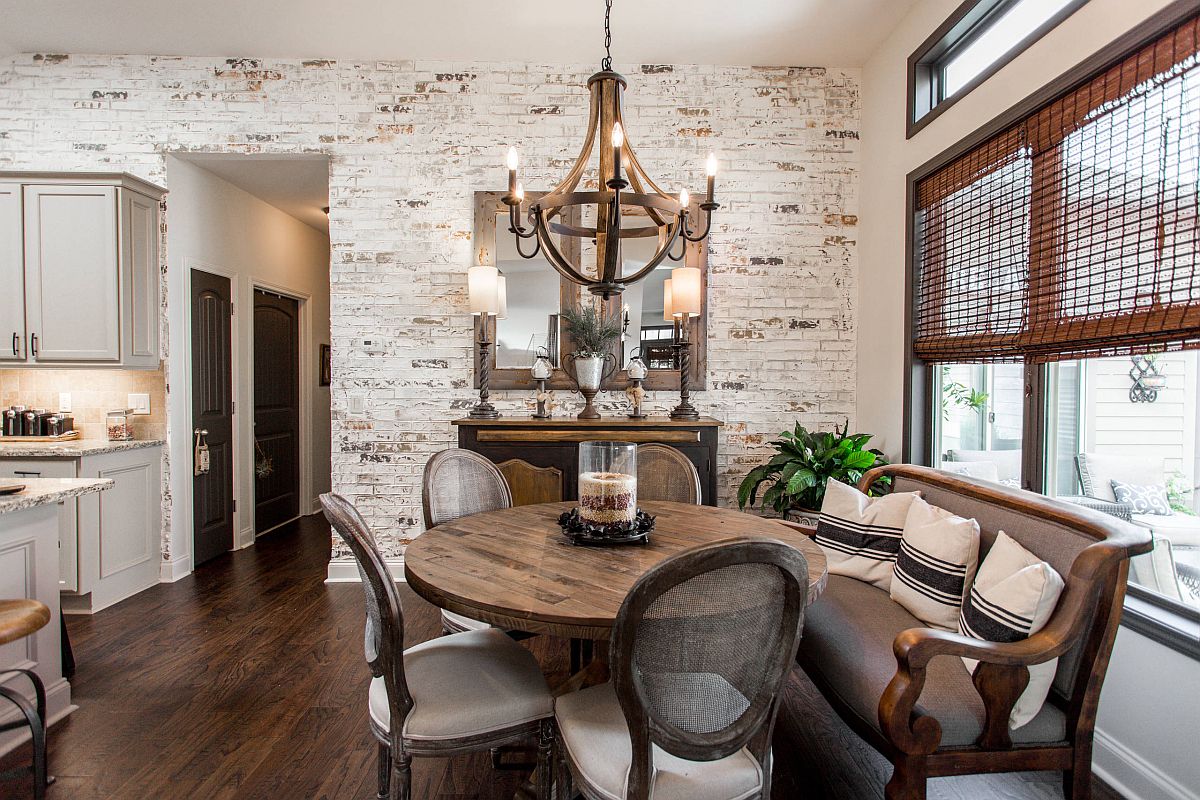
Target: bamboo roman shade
(1074,232)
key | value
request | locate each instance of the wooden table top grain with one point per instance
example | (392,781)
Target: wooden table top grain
(515,569)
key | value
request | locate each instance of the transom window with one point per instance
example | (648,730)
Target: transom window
(979,38)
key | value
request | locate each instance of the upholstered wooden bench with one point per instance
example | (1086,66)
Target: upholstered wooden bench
(903,686)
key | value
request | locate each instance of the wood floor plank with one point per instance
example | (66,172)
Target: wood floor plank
(246,680)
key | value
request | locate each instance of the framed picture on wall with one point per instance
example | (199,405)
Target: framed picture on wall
(324,371)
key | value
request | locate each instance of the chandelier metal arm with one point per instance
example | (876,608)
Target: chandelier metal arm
(551,252)
(515,226)
(663,251)
(691,236)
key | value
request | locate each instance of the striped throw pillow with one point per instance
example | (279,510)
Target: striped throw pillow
(939,552)
(1015,593)
(861,535)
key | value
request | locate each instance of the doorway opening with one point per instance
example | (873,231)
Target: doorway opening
(247,237)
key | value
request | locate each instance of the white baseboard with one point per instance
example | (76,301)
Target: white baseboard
(344,570)
(171,571)
(245,538)
(1131,775)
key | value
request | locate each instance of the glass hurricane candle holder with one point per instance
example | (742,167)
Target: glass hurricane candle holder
(607,482)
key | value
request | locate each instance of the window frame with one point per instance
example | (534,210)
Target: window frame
(1156,617)
(927,64)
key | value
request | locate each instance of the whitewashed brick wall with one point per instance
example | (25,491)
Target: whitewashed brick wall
(410,142)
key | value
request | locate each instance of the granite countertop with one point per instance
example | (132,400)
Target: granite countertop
(71,449)
(43,491)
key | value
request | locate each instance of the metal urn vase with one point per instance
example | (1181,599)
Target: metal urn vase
(588,373)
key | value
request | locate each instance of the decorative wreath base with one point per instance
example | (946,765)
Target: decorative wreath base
(581,532)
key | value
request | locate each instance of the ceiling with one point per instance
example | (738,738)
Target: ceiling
(296,185)
(749,32)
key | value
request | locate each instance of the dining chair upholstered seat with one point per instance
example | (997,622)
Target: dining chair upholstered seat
(701,647)
(466,692)
(458,483)
(595,735)
(466,684)
(664,473)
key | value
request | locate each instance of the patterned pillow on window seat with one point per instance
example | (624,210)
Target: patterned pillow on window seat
(1150,499)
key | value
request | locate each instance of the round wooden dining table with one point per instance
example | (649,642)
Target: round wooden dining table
(515,569)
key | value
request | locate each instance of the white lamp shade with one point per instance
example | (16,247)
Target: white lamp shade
(668,308)
(685,290)
(501,298)
(483,289)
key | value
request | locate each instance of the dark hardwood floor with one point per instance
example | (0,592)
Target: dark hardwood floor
(246,680)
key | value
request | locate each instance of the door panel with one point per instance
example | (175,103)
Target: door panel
(139,243)
(276,410)
(71,280)
(12,275)
(212,411)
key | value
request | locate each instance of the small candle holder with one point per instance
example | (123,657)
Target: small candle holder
(541,372)
(636,369)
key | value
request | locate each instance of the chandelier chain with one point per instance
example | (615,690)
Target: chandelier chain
(606,62)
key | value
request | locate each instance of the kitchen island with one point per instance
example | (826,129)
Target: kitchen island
(29,533)
(110,545)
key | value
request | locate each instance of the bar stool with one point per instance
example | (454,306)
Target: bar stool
(18,619)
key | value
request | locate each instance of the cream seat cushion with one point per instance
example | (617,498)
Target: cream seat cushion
(457,622)
(467,684)
(592,727)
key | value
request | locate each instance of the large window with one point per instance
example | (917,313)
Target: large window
(979,38)
(1056,306)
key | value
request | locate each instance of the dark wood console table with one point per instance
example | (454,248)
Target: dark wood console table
(539,457)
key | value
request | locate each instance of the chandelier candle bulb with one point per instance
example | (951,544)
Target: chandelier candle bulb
(684,198)
(711,168)
(512,171)
(618,141)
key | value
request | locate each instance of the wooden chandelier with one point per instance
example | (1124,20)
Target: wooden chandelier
(619,170)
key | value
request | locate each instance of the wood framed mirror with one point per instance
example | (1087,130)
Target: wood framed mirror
(537,294)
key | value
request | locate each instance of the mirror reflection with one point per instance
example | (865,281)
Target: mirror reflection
(532,286)
(642,307)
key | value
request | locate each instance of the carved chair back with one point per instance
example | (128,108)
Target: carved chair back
(665,473)
(458,483)
(383,640)
(701,648)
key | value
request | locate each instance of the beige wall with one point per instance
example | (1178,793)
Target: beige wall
(214,225)
(887,158)
(1140,748)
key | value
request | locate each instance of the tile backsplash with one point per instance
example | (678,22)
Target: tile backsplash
(93,392)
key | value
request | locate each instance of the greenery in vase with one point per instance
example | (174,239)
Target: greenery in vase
(592,332)
(795,477)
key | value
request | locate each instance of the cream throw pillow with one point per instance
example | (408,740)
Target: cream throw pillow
(939,553)
(1013,597)
(861,535)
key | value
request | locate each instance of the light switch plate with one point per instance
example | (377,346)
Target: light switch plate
(64,401)
(139,403)
(357,405)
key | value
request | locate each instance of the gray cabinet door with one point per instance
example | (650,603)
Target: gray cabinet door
(12,275)
(139,279)
(71,273)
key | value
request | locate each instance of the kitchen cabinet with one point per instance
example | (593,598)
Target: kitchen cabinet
(88,288)
(12,274)
(109,544)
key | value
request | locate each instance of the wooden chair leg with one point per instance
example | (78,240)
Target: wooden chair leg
(401,788)
(576,655)
(1077,781)
(908,779)
(385,771)
(562,772)
(545,761)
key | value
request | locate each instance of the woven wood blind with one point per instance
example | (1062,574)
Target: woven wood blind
(1076,231)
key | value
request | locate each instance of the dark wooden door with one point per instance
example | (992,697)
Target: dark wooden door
(276,410)
(212,416)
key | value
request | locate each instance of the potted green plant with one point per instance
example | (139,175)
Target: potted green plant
(592,361)
(804,461)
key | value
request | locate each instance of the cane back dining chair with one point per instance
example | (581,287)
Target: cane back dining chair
(458,483)
(463,693)
(701,648)
(664,473)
